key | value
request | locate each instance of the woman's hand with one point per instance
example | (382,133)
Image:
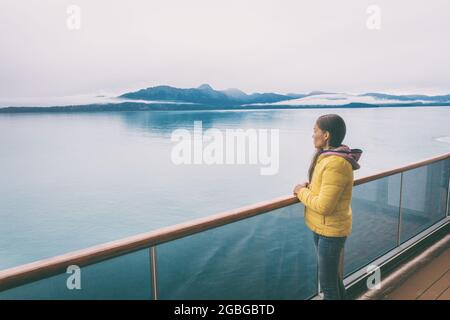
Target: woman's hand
(299,186)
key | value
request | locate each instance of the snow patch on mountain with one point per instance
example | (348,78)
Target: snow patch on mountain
(337,99)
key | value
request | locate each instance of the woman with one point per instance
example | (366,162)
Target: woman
(327,199)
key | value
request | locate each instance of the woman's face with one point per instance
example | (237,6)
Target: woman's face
(320,137)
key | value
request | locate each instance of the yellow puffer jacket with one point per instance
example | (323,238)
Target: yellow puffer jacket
(327,198)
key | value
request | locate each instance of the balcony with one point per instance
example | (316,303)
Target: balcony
(397,215)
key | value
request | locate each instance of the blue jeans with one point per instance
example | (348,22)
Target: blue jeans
(330,258)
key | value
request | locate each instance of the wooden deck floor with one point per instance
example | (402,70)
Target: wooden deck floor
(431,282)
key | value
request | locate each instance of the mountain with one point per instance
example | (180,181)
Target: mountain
(235,93)
(317,98)
(204,94)
(204,97)
(383,96)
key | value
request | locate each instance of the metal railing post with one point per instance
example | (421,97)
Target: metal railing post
(399,227)
(448,194)
(318,281)
(153,273)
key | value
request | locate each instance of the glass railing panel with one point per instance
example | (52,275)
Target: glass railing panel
(375,210)
(269,256)
(424,197)
(124,277)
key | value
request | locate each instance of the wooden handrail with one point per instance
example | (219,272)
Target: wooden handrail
(411,166)
(26,273)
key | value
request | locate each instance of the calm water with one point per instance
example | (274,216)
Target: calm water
(69,181)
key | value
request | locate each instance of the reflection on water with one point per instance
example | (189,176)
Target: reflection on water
(163,123)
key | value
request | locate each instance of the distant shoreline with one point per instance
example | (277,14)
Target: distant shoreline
(132,106)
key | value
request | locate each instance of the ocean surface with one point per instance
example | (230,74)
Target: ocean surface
(72,180)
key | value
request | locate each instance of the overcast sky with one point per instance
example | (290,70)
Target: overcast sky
(255,45)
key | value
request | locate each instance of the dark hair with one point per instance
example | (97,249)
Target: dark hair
(335,126)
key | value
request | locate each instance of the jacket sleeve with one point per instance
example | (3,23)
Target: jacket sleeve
(334,180)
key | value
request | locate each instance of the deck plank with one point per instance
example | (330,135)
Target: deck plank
(437,289)
(445,295)
(430,282)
